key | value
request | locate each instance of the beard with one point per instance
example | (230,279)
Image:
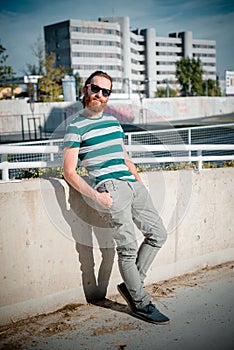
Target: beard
(94,104)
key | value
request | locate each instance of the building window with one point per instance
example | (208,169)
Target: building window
(203,55)
(95,42)
(203,46)
(95,30)
(97,67)
(165,44)
(97,54)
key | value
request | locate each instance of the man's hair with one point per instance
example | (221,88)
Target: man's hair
(98,73)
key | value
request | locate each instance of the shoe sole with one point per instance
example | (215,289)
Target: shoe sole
(148,320)
(132,308)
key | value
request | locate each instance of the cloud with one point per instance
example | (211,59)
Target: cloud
(22,21)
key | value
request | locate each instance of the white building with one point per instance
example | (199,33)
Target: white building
(137,60)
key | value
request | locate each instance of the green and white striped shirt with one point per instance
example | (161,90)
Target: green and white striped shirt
(100,147)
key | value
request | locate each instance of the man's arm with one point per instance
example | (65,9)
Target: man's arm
(70,157)
(131,166)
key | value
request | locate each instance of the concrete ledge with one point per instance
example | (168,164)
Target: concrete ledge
(54,249)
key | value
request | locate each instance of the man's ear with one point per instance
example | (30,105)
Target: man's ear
(84,90)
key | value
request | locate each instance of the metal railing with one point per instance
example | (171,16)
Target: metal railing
(209,134)
(141,154)
(145,147)
(5,165)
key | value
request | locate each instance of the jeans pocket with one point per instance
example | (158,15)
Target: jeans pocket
(111,186)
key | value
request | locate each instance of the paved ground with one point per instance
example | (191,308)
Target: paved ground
(200,305)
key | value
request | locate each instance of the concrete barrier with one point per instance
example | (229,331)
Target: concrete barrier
(52,115)
(55,250)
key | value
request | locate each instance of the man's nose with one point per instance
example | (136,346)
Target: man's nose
(99,93)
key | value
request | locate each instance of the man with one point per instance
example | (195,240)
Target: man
(117,189)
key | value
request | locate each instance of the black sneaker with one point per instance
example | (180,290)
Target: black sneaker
(151,314)
(123,290)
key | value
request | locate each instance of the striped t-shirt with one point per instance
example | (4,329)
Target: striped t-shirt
(100,147)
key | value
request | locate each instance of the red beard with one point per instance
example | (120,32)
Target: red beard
(93,103)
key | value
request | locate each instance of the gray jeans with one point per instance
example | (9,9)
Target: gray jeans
(132,205)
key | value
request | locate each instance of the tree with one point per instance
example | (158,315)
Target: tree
(211,88)
(79,85)
(162,92)
(189,74)
(50,85)
(6,72)
(38,51)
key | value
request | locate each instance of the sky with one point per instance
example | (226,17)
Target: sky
(22,22)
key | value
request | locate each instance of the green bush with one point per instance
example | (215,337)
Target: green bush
(46,173)
(58,171)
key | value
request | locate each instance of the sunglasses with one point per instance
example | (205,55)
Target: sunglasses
(95,89)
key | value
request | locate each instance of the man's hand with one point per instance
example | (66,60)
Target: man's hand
(104,199)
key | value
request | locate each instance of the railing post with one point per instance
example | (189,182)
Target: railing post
(22,127)
(35,128)
(5,172)
(189,141)
(51,154)
(129,143)
(199,163)
(65,118)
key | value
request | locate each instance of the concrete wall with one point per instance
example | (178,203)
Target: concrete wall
(50,115)
(180,108)
(49,256)
(156,110)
